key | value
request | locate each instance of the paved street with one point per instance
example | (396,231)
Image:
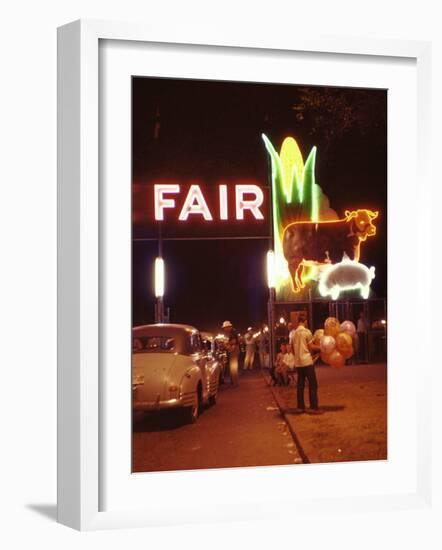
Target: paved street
(245,428)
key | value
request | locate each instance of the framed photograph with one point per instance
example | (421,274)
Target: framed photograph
(243,247)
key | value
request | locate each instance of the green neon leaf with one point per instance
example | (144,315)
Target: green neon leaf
(278,194)
(295,191)
(300,202)
(308,194)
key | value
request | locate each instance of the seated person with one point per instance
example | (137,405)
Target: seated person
(278,364)
(287,364)
(289,360)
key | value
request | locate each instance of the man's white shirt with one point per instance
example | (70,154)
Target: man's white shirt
(301,338)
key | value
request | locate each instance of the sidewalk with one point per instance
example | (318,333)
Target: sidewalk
(353,425)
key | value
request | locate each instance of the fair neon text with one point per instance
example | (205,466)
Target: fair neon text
(247,197)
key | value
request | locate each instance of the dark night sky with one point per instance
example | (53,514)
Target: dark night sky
(211,131)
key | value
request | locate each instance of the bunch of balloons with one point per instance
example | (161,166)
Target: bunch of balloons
(335,341)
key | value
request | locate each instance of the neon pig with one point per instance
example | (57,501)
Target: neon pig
(346,275)
(247,197)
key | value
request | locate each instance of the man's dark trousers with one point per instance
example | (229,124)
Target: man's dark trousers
(310,374)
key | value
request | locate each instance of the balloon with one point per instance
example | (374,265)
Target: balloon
(331,326)
(348,327)
(325,357)
(327,344)
(348,353)
(344,344)
(317,336)
(336,359)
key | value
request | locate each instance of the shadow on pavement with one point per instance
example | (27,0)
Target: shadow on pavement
(326,408)
(332,408)
(167,419)
(159,421)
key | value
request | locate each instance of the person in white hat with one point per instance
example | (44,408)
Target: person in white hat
(233,350)
(249,340)
(230,333)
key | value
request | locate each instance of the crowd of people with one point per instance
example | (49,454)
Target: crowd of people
(252,348)
(295,357)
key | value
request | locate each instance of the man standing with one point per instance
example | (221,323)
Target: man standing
(232,350)
(249,341)
(230,332)
(291,330)
(302,345)
(263,347)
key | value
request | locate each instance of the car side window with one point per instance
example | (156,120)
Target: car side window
(207,346)
(153,344)
(196,342)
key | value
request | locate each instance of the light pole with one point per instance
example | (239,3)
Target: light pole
(270,305)
(159,289)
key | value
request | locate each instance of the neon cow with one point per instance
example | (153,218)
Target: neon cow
(307,243)
(308,233)
(346,275)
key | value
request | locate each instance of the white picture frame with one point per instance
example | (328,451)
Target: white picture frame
(80,443)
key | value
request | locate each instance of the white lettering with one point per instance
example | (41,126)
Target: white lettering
(223,209)
(250,204)
(160,202)
(195,203)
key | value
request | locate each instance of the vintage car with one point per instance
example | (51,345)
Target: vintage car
(172,368)
(217,350)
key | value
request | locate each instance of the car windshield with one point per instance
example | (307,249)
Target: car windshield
(153,344)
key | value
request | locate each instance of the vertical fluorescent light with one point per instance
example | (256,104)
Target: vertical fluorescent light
(159,277)
(271,269)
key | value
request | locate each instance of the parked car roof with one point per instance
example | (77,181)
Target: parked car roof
(180,333)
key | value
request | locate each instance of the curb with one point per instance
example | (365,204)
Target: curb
(302,454)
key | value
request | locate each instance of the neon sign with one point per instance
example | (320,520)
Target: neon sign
(195,203)
(308,234)
(223,204)
(242,204)
(345,275)
(160,202)
(311,244)
(247,198)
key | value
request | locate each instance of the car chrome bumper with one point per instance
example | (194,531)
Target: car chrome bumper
(185,400)
(156,405)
